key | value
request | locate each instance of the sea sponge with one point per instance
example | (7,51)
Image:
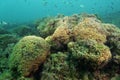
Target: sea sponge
(91,53)
(28,54)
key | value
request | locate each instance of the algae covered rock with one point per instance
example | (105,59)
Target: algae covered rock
(115,49)
(28,54)
(57,67)
(81,46)
(117,77)
(4,57)
(64,32)
(92,44)
(7,39)
(111,29)
(3,64)
(6,75)
(90,53)
(47,26)
(23,78)
(113,41)
(90,28)
(61,37)
(3,31)
(75,28)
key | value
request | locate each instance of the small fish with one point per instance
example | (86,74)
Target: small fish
(82,6)
(45,3)
(3,23)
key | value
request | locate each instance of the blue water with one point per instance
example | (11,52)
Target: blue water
(19,11)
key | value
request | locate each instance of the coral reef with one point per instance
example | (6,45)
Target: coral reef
(77,47)
(27,55)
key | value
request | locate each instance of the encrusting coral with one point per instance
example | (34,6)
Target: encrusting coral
(28,54)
